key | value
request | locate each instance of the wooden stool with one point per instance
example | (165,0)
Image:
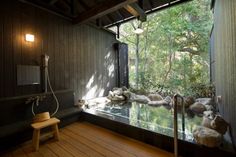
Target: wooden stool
(40,125)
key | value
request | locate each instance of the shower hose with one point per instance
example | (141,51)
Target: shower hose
(54,96)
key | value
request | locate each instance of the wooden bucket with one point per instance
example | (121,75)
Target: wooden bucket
(41,117)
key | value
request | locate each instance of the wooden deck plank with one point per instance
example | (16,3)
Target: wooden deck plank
(71,149)
(99,148)
(120,141)
(58,150)
(19,153)
(80,146)
(98,141)
(83,139)
(46,151)
(30,151)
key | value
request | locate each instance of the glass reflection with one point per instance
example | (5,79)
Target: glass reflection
(157,119)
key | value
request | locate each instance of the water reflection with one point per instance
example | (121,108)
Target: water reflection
(157,119)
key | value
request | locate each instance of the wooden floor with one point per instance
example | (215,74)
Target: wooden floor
(82,139)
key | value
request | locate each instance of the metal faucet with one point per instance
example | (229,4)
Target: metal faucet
(176,121)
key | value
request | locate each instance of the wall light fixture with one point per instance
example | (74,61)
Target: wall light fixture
(29,37)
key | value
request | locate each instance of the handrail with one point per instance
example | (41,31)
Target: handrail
(176,121)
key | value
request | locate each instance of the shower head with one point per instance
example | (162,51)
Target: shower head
(45,60)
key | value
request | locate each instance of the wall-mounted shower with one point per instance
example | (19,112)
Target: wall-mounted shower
(47,83)
(45,59)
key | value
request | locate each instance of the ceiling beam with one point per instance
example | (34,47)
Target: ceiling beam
(119,14)
(101,10)
(73,7)
(83,4)
(149,12)
(52,2)
(135,10)
(49,8)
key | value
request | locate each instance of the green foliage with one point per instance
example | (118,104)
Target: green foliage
(173,50)
(200,90)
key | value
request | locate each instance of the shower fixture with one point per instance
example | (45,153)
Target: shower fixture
(47,83)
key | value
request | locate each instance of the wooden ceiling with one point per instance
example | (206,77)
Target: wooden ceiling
(103,13)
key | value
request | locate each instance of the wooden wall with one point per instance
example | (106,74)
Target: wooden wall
(225,57)
(82,57)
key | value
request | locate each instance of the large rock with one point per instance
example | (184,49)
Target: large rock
(164,102)
(205,101)
(117,91)
(197,108)
(168,99)
(138,98)
(209,114)
(219,124)
(188,101)
(113,96)
(155,97)
(116,94)
(207,137)
(206,122)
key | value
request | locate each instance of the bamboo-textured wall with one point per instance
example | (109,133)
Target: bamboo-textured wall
(225,53)
(82,57)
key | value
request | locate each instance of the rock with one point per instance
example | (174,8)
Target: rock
(124,88)
(99,100)
(138,98)
(205,101)
(115,97)
(206,122)
(215,122)
(189,101)
(155,97)
(141,99)
(168,99)
(208,102)
(209,107)
(156,103)
(219,124)
(118,98)
(165,102)
(197,108)
(128,94)
(80,103)
(207,137)
(209,114)
(117,91)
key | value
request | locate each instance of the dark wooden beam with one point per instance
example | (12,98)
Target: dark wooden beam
(52,2)
(98,23)
(135,10)
(110,18)
(83,4)
(148,12)
(73,7)
(49,8)
(64,6)
(101,10)
(119,14)
(150,4)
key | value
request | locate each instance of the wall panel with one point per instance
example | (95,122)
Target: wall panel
(225,57)
(80,55)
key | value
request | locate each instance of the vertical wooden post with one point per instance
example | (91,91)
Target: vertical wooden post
(56,131)
(36,135)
